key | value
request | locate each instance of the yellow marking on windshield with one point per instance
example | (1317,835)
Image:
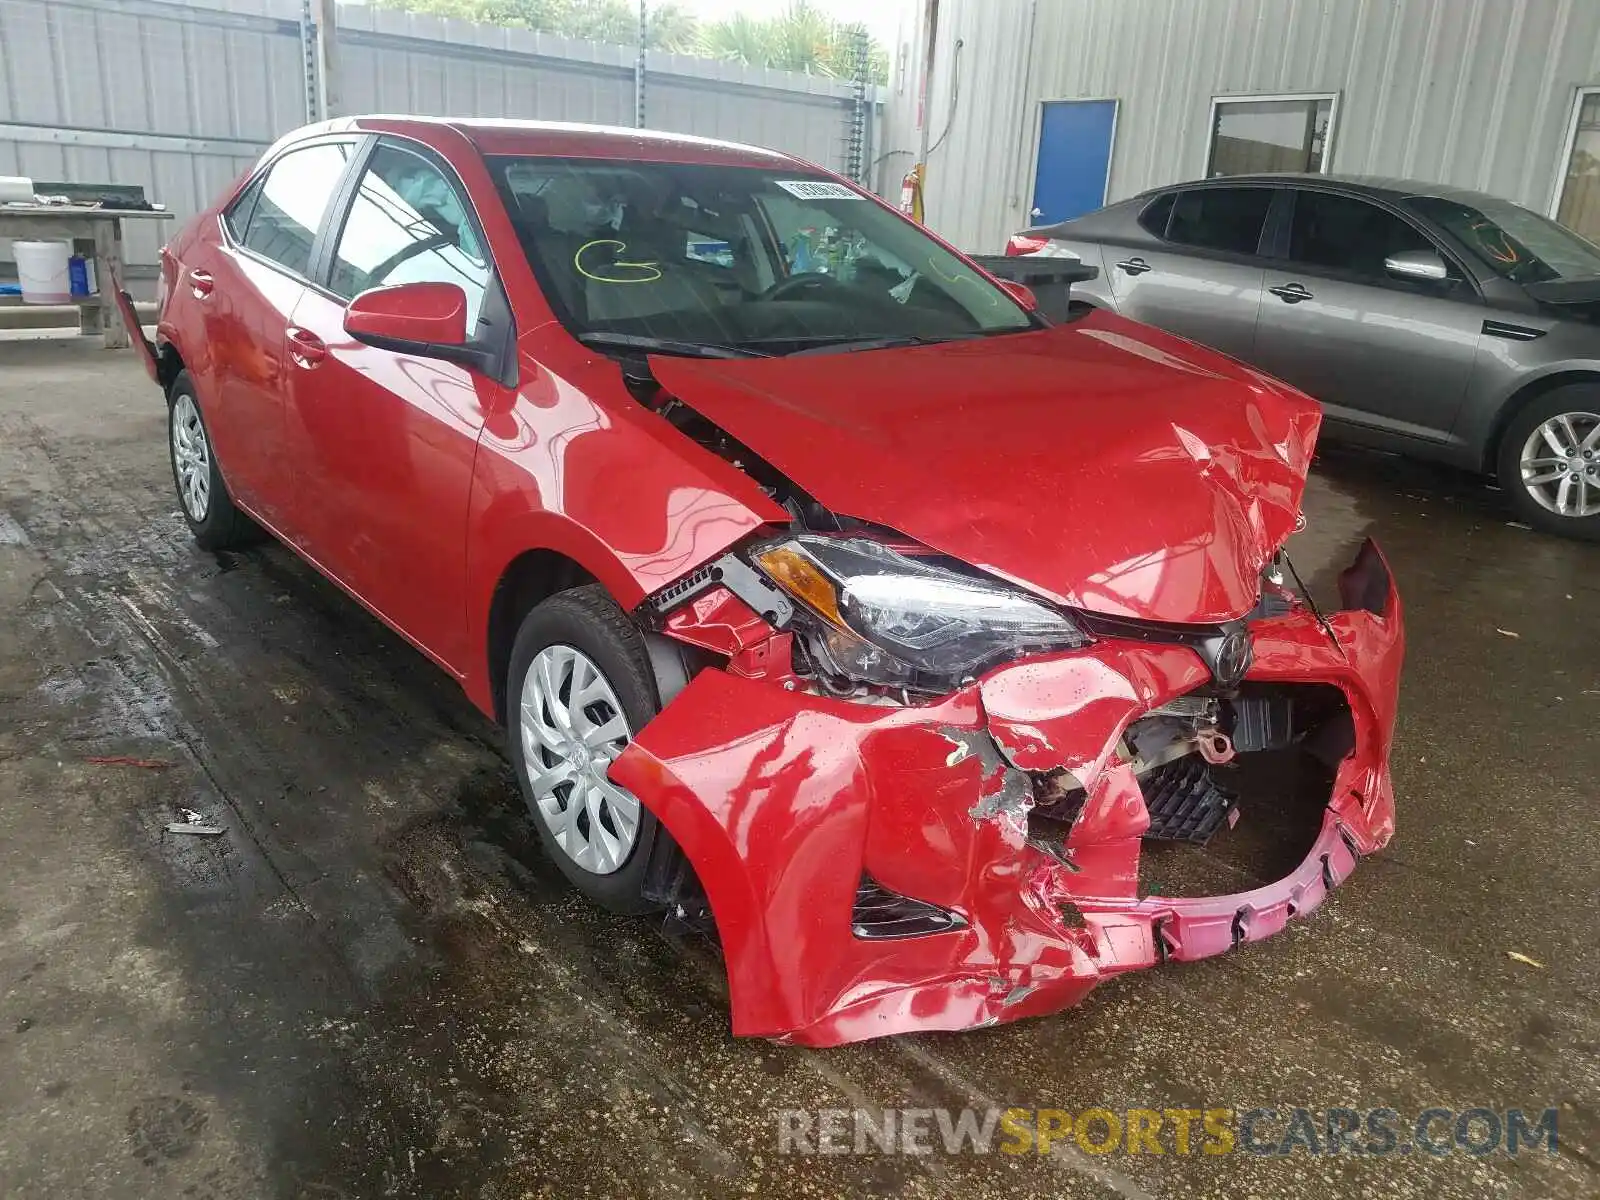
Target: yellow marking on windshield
(651,271)
(994,300)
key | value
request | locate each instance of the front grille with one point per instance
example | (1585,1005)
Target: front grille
(880,915)
(1185,805)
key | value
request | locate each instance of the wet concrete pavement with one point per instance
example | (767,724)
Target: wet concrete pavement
(370,985)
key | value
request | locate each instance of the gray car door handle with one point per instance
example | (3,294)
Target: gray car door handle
(1135,266)
(1291,293)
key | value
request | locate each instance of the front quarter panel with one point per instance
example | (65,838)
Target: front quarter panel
(1505,368)
(576,466)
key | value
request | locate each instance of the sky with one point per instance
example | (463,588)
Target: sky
(881,17)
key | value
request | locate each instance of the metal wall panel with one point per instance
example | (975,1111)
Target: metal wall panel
(812,128)
(182,97)
(1476,93)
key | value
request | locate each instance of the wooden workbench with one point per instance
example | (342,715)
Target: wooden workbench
(93,232)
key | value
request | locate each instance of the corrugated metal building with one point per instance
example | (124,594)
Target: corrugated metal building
(1501,95)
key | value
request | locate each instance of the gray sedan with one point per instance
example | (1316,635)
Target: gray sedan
(1439,323)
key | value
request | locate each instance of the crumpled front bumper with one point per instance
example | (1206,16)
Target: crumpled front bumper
(783,801)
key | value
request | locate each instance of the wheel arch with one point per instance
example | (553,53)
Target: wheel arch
(169,362)
(528,580)
(1529,393)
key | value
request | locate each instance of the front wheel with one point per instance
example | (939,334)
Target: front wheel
(1550,462)
(578,688)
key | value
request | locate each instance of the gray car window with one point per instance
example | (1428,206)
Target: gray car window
(1345,233)
(1157,213)
(1228,219)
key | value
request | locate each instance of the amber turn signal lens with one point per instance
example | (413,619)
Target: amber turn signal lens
(791,570)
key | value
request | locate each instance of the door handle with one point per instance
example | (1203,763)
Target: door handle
(305,347)
(1291,293)
(201,283)
(1134,266)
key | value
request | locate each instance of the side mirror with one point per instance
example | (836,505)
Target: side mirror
(427,320)
(1418,265)
(1021,293)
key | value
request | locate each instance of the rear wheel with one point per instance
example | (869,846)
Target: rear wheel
(1550,462)
(578,688)
(207,507)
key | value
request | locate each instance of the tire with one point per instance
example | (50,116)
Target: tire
(582,630)
(1537,502)
(207,507)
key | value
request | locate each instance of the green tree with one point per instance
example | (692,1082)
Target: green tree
(739,38)
(670,28)
(802,38)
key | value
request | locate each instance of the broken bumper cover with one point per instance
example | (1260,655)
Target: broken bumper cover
(784,802)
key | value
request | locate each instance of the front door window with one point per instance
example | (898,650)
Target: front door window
(408,224)
(1344,235)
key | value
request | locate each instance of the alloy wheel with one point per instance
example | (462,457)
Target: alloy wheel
(1561,465)
(191,458)
(572,728)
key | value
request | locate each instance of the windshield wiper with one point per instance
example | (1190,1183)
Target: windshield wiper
(629,341)
(849,345)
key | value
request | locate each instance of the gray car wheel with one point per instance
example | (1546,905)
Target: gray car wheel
(1550,462)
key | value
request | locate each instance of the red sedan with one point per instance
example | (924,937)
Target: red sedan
(827,592)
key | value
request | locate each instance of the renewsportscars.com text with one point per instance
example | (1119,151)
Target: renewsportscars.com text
(1281,1131)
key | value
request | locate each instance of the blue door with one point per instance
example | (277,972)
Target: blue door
(1074,159)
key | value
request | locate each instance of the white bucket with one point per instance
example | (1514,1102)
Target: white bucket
(43,272)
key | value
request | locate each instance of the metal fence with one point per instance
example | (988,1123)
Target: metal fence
(180,98)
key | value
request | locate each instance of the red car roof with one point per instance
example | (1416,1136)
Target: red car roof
(559,139)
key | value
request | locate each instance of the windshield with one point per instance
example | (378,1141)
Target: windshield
(1514,242)
(741,258)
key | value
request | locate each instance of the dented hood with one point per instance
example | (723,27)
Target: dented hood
(1101,464)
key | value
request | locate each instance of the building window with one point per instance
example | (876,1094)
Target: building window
(1578,193)
(1270,133)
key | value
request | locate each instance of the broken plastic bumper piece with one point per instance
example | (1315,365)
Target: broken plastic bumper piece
(874,869)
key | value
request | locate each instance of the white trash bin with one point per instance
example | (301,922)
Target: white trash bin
(43,272)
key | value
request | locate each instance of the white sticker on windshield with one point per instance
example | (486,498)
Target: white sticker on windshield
(816,189)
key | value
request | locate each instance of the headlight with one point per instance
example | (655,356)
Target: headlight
(889,619)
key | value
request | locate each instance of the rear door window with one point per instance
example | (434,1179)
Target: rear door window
(293,201)
(1220,218)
